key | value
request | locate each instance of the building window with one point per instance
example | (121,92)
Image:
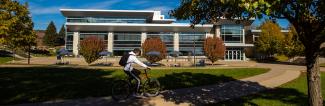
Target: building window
(69,41)
(101,35)
(191,43)
(232,33)
(166,37)
(125,42)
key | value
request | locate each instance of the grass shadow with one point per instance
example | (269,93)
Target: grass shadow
(188,79)
(277,96)
(37,84)
(212,89)
(233,93)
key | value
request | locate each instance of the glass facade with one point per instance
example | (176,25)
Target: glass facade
(166,37)
(69,41)
(232,33)
(101,35)
(188,42)
(125,42)
(106,20)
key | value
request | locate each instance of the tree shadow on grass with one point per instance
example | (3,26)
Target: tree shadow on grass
(37,84)
(207,88)
(274,97)
(188,79)
(223,91)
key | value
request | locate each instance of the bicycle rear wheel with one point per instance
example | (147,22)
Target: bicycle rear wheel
(151,87)
(120,90)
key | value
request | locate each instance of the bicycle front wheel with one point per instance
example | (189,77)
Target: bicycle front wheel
(151,87)
(120,90)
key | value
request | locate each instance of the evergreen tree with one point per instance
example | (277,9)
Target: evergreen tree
(50,35)
(16,26)
(60,38)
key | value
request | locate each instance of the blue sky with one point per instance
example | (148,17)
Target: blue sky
(44,11)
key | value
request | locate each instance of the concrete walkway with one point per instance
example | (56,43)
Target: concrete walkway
(278,75)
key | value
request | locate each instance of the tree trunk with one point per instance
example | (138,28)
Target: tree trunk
(29,54)
(313,77)
(13,55)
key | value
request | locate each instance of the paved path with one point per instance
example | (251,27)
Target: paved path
(279,74)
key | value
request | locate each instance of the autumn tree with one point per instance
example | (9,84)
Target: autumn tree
(214,48)
(307,16)
(270,40)
(16,26)
(292,46)
(90,48)
(154,44)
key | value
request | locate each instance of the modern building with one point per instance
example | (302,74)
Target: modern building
(124,30)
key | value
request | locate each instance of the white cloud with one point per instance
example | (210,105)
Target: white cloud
(161,8)
(41,10)
(45,10)
(101,5)
(141,2)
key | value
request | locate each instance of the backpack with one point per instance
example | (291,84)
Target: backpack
(124,59)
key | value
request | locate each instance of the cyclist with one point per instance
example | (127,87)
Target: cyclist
(132,72)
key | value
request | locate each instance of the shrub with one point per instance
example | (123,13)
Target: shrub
(214,48)
(249,52)
(154,44)
(40,52)
(90,48)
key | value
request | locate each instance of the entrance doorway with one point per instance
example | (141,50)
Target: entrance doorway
(234,54)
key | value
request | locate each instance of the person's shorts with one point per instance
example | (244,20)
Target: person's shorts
(134,72)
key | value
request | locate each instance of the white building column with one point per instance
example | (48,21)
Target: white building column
(244,56)
(75,44)
(110,43)
(244,35)
(143,37)
(176,41)
(207,34)
(218,31)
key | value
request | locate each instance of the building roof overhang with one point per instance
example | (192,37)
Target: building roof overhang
(224,21)
(176,27)
(238,45)
(259,31)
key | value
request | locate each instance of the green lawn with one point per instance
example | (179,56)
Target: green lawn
(36,84)
(5,59)
(293,93)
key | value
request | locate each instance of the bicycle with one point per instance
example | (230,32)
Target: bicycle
(122,89)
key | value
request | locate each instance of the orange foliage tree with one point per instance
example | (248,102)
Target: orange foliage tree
(214,48)
(154,44)
(90,48)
